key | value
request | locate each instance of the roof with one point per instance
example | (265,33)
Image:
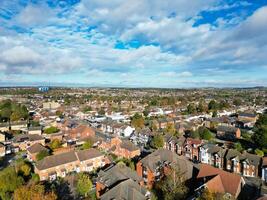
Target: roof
(193,141)
(252,159)
(126,144)
(29,137)
(153,160)
(116,174)
(220,180)
(247,115)
(230,129)
(88,154)
(56,160)
(35,148)
(127,189)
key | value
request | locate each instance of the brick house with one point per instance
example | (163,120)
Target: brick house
(174,144)
(219,181)
(112,176)
(246,164)
(191,148)
(60,165)
(24,141)
(121,148)
(154,166)
(228,132)
(33,150)
(252,117)
(212,154)
(81,131)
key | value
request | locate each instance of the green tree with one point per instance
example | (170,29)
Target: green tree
(87,144)
(55,144)
(172,186)
(42,154)
(9,181)
(238,147)
(213,105)
(157,141)
(260,134)
(259,152)
(170,128)
(237,102)
(204,133)
(51,130)
(84,184)
(191,108)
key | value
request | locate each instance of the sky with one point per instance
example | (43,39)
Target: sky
(133,43)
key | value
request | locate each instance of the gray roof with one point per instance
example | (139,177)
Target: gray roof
(116,174)
(229,129)
(247,115)
(214,149)
(252,159)
(153,160)
(177,140)
(127,189)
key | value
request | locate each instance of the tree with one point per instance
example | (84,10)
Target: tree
(259,152)
(25,169)
(172,186)
(84,184)
(214,113)
(33,192)
(9,181)
(87,144)
(260,134)
(237,102)
(157,141)
(138,121)
(213,105)
(42,154)
(170,128)
(191,108)
(238,147)
(204,133)
(208,195)
(51,130)
(56,143)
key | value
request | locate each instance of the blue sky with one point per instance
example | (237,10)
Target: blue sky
(134,43)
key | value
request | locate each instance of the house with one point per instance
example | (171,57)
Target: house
(219,181)
(2,137)
(212,154)
(252,117)
(264,169)
(33,150)
(191,148)
(73,161)
(246,164)
(155,165)
(174,144)
(126,131)
(142,137)
(121,148)
(2,150)
(24,141)
(81,131)
(127,189)
(163,123)
(214,122)
(114,175)
(35,130)
(228,132)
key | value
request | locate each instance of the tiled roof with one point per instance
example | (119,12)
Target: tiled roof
(27,137)
(116,174)
(220,180)
(229,129)
(126,144)
(127,189)
(35,148)
(88,154)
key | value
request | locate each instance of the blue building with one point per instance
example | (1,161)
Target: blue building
(43,89)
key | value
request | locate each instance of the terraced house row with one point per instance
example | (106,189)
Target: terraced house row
(60,165)
(231,160)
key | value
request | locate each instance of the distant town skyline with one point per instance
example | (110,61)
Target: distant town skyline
(134,43)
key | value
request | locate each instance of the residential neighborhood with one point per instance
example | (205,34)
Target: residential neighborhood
(75,142)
